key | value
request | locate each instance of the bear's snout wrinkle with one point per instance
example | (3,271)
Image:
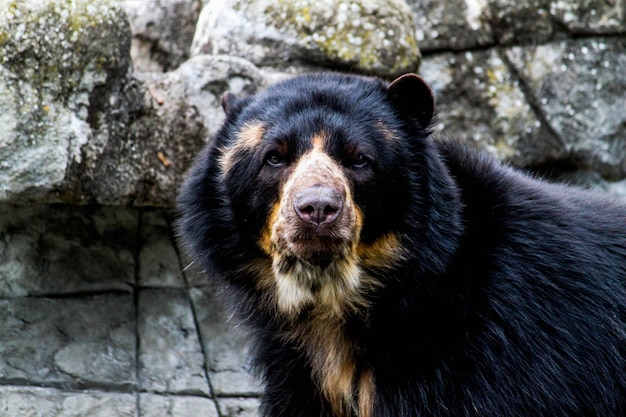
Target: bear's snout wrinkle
(318,205)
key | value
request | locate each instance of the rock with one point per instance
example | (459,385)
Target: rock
(463,24)
(80,128)
(370,36)
(521,22)
(162,32)
(574,85)
(158,260)
(183,111)
(170,355)
(556,107)
(76,342)
(452,24)
(95,361)
(49,249)
(480,100)
(239,407)
(226,348)
(61,65)
(50,402)
(179,406)
(591,16)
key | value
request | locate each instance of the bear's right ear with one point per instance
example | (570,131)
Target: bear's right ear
(413,98)
(229,102)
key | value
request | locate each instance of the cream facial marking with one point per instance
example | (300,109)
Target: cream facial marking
(329,290)
(335,286)
(249,137)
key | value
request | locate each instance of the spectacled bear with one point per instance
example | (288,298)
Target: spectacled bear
(386,273)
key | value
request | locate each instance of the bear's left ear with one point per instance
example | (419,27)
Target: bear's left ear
(413,98)
(229,102)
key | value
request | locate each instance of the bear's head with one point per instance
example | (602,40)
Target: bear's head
(313,181)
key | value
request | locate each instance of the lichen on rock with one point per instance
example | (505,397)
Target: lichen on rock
(591,16)
(357,33)
(369,36)
(53,57)
(49,44)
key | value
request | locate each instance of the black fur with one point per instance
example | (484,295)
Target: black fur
(510,300)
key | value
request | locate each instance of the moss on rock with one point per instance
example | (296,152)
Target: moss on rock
(49,44)
(367,34)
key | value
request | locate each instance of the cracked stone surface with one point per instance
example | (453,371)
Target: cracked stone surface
(176,406)
(227,357)
(239,407)
(75,342)
(108,102)
(561,75)
(162,32)
(49,402)
(91,249)
(375,37)
(142,342)
(158,261)
(170,354)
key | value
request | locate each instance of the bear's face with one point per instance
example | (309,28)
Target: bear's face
(308,222)
(308,206)
(315,219)
(309,170)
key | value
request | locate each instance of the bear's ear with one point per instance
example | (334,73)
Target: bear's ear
(229,102)
(413,98)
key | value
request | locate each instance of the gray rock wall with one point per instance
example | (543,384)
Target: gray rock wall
(98,319)
(539,83)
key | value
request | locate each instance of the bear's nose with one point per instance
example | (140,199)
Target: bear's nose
(318,205)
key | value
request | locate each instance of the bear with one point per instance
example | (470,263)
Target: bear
(383,271)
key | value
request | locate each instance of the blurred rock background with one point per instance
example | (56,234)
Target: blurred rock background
(103,105)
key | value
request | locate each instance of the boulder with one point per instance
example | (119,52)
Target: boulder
(162,32)
(451,25)
(81,127)
(368,36)
(461,24)
(181,112)
(63,85)
(591,16)
(575,87)
(97,110)
(480,100)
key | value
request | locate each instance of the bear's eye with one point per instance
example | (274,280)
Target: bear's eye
(359,161)
(274,159)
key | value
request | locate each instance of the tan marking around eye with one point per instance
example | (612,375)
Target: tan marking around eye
(250,136)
